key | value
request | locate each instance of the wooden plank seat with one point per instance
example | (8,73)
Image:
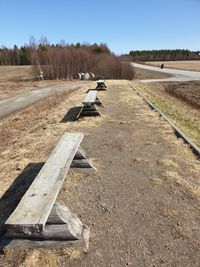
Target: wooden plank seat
(40,221)
(101,86)
(89,104)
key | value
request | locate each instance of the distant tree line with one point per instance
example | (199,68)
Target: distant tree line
(25,55)
(63,61)
(15,56)
(162,55)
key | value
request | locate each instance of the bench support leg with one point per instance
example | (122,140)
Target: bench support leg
(81,162)
(101,87)
(63,229)
(99,102)
(89,111)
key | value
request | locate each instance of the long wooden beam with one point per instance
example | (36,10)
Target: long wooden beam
(90,98)
(32,213)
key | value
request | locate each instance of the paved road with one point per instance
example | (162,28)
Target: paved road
(178,75)
(20,101)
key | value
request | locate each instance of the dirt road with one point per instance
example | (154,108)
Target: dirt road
(16,103)
(143,205)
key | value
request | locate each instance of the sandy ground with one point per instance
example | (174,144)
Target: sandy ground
(142,205)
(193,65)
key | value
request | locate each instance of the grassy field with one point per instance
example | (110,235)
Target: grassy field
(19,79)
(15,73)
(189,92)
(182,65)
(179,101)
(141,74)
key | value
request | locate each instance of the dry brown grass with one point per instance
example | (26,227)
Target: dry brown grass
(156,181)
(168,163)
(28,137)
(186,91)
(31,135)
(15,73)
(19,79)
(185,116)
(141,74)
(193,65)
(9,89)
(192,189)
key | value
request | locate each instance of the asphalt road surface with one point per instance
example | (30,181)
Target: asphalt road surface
(20,101)
(178,75)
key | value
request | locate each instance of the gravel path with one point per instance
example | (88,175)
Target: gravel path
(143,204)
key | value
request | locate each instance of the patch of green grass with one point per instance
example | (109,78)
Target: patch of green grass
(184,122)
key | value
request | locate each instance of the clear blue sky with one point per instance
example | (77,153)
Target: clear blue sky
(123,24)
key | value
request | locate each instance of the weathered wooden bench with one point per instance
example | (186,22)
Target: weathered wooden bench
(101,85)
(39,221)
(89,104)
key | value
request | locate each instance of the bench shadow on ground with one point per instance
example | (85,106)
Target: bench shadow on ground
(72,114)
(15,192)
